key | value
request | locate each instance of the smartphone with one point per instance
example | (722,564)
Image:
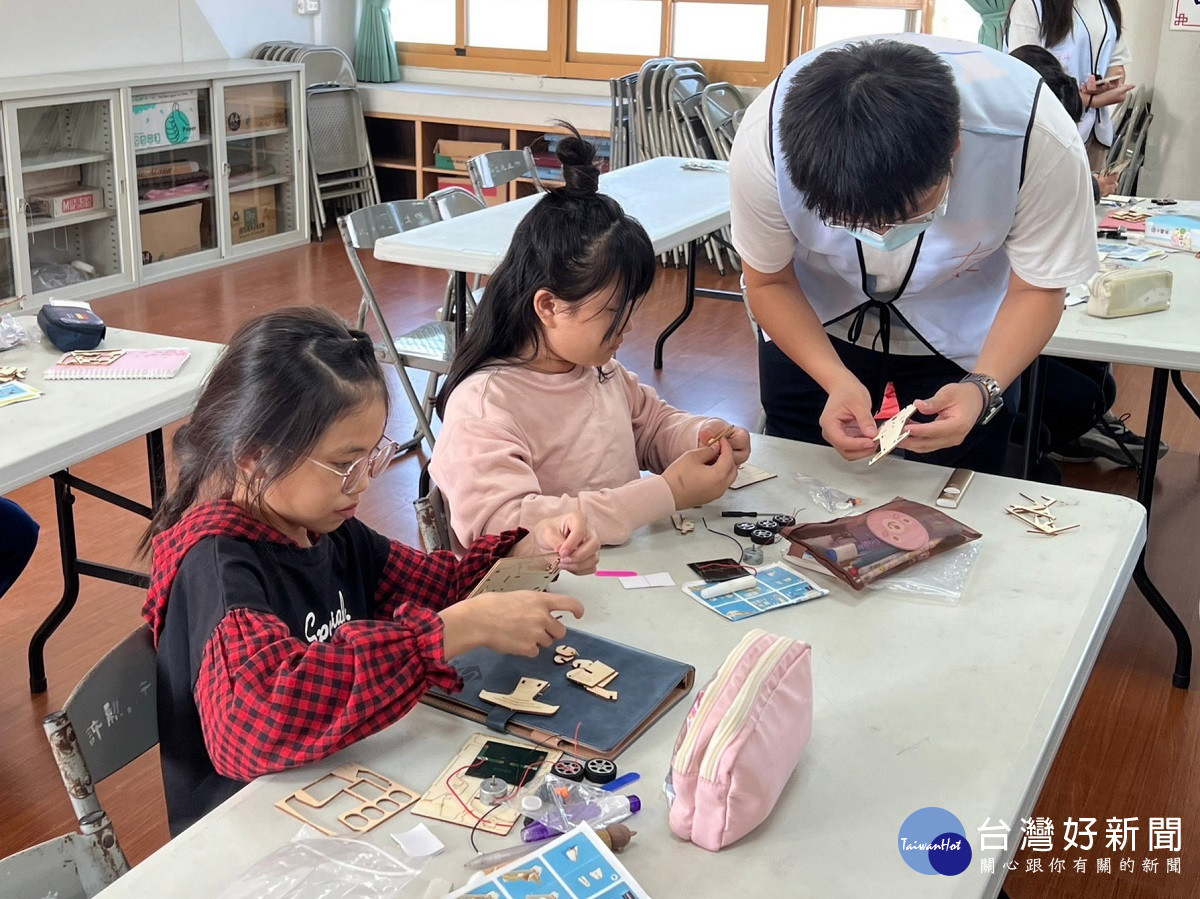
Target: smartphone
(1104,84)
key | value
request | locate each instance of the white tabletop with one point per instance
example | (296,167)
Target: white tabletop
(674,206)
(1167,339)
(75,420)
(916,704)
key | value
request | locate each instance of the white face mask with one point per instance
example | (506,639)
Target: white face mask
(901,233)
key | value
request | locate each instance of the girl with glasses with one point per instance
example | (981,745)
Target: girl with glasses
(286,629)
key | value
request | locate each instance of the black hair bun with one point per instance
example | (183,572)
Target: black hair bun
(577,156)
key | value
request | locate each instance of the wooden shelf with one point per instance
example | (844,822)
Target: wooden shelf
(173,148)
(450,173)
(403,163)
(263,182)
(147,205)
(57,159)
(250,135)
(66,221)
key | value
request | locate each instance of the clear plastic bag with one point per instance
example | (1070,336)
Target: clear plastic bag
(55,275)
(323,868)
(11,333)
(827,497)
(940,580)
(561,803)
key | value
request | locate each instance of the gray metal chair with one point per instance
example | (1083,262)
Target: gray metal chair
(109,720)
(433,520)
(428,348)
(448,203)
(339,155)
(499,167)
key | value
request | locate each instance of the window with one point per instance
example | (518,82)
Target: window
(819,22)
(744,41)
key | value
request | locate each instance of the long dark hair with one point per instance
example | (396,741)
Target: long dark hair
(1058,20)
(284,379)
(1060,83)
(574,242)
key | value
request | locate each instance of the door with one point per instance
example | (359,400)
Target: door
(70,233)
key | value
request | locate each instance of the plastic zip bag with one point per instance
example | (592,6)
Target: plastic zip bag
(827,497)
(940,580)
(323,868)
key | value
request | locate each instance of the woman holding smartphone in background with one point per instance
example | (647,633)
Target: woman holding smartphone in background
(1086,36)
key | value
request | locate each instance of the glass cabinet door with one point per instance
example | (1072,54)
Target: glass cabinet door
(69,185)
(173,147)
(8,281)
(259,160)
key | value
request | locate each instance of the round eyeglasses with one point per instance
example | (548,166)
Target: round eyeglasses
(371,465)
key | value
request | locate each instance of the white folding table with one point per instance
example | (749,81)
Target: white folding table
(916,703)
(675,205)
(75,420)
(1169,343)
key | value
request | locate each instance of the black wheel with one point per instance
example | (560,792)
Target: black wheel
(600,771)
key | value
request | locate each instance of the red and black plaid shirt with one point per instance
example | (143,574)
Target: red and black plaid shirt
(267,698)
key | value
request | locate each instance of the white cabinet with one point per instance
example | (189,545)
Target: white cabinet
(121,177)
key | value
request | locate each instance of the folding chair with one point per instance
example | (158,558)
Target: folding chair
(115,708)
(339,154)
(498,168)
(721,108)
(428,348)
(433,518)
(448,203)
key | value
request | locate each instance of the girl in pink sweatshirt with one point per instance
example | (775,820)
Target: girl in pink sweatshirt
(539,418)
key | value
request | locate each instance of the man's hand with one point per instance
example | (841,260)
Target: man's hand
(847,424)
(957,407)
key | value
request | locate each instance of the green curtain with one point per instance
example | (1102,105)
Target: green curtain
(375,56)
(991,29)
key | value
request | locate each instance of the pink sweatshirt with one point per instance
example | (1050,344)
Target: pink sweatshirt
(518,446)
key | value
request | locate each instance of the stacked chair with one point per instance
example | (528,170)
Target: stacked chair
(1131,124)
(339,156)
(669,108)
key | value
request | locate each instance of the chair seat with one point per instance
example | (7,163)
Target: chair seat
(432,343)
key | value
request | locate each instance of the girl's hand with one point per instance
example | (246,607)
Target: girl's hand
(701,475)
(846,422)
(519,623)
(957,407)
(570,537)
(1112,96)
(739,438)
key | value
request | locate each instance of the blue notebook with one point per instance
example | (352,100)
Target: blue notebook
(647,685)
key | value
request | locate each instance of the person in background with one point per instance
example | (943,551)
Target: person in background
(1080,392)
(18,538)
(1086,36)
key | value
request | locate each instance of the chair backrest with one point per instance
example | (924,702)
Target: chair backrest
(499,167)
(433,520)
(361,228)
(451,202)
(109,720)
(114,709)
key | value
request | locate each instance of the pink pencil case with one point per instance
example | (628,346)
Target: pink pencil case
(742,739)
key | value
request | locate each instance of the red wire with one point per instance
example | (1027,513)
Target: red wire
(454,792)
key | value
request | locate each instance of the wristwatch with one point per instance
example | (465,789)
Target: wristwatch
(993,396)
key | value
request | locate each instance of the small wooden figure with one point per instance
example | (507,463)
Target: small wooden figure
(523,698)
(893,432)
(683,525)
(564,654)
(593,676)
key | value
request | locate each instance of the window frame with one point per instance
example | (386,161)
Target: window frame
(791,29)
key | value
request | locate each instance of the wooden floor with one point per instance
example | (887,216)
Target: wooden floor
(1132,750)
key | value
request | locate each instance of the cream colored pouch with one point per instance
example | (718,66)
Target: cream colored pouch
(1129,291)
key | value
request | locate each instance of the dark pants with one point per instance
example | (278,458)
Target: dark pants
(1078,393)
(18,537)
(794,402)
